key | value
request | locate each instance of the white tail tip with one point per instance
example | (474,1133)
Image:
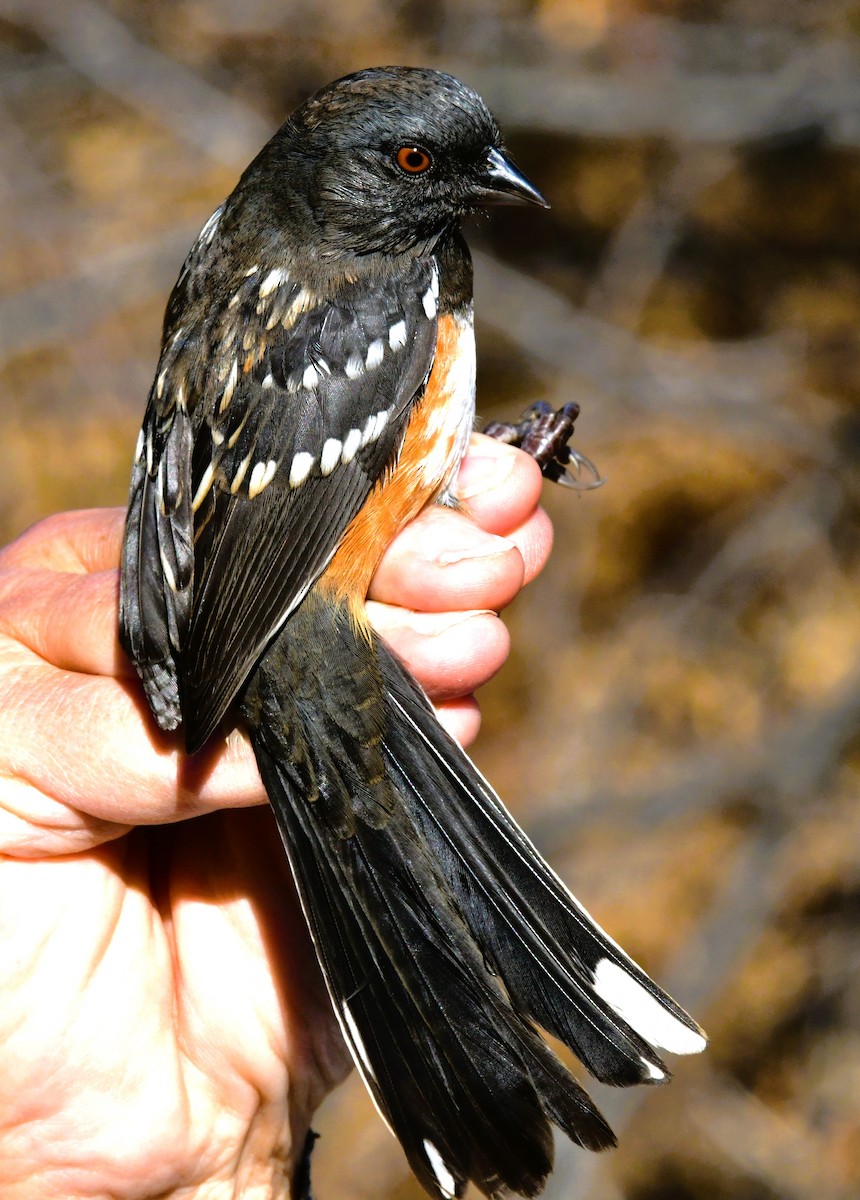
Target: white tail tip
(643,1012)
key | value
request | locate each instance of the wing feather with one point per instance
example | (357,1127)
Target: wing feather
(272,416)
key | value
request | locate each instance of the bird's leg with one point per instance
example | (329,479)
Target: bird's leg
(544,432)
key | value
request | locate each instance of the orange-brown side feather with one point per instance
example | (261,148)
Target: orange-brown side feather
(399,495)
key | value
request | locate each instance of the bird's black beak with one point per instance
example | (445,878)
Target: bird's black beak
(501,183)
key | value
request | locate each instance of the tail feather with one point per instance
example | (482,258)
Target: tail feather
(544,979)
(441,932)
(464,1083)
(479,841)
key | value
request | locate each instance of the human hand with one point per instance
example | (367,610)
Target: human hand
(164,1025)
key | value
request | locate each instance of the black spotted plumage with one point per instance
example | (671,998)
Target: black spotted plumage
(299,370)
(233,382)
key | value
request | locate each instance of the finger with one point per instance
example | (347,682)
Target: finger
(68,620)
(499,485)
(59,591)
(534,540)
(438,563)
(461,718)
(116,768)
(78,542)
(451,654)
(444,561)
(65,794)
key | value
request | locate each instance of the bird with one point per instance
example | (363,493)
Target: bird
(315,391)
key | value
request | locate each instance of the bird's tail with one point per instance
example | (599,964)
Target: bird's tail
(443,935)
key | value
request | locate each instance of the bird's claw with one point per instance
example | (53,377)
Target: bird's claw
(544,432)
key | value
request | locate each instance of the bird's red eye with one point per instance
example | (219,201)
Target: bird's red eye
(412,159)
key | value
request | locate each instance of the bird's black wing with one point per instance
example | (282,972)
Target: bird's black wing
(268,423)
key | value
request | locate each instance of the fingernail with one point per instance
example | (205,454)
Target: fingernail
(433,624)
(482,472)
(487,546)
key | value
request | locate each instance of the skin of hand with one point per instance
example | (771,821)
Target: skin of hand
(164,1030)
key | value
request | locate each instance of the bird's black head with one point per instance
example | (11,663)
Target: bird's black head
(389,159)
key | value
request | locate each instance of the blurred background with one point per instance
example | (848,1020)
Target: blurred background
(677,724)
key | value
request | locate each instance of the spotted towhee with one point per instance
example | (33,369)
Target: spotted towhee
(315,390)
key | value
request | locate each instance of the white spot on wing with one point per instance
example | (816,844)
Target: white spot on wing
(373,426)
(240,475)
(217,436)
(230,386)
(138,450)
(302,302)
(300,468)
(375,353)
(351,445)
(441,1173)
(261,476)
(273,280)
(397,335)
(269,381)
(167,571)
(159,483)
(434,282)
(309,379)
(159,383)
(205,484)
(354,367)
(234,436)
(330,456)
(429,302)
(643,1012)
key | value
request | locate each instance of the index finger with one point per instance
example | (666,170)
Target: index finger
(79,542)
(58,591)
